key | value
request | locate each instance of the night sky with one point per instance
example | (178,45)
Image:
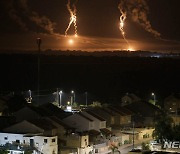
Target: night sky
(22,21)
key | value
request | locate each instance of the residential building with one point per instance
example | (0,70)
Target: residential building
(144,113)
(29,112)
(129,98)
(80,122)
(99,122)
(172,104)
(20,143)
(102,148)
(176,119)
(122,119)
(37,126)
(109,117)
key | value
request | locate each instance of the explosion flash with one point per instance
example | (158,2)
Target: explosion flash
(73,18)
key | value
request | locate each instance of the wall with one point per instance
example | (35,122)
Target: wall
(98,124)
(78,122)
(10,138)
(144,132)
(125,119)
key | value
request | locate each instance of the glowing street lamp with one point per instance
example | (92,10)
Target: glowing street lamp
(153,94)
(72,92)
(30,96)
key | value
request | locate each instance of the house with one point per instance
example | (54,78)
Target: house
(125,114)
(144,113)
(176,119)
(121,118)
(102,148)
(115,115)
(80,122)
(76,143)
(53,110)
(30,112)
(172,104)
(63,129)
(21,143)
(37,126)
(108,116)
(99,122)
(119,140)
(129,98)
(144,133)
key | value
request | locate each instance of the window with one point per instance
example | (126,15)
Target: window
(45,140)
(17,141)
(85,142)
(53,140)
(6,138)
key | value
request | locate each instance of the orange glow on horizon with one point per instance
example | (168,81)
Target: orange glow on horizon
(71,41)
(131,49)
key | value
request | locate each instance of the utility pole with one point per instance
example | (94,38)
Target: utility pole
(57,96)
(39,50)
(133,135)
(60,97)
(86,99)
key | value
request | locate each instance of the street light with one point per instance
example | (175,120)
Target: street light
(60,98)
(72,92)
(153,94)
(30,96)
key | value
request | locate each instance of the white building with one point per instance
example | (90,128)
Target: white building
(101,149)
(43,144)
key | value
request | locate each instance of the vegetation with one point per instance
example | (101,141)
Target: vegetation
(113,148)
(28,152)
(3,151)
(145,146)
(165,129)
(163,126)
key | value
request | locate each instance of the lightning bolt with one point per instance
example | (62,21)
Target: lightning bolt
(73,17)
(121,25)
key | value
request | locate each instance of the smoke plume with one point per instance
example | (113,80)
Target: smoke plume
(19,11)
(138,11)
